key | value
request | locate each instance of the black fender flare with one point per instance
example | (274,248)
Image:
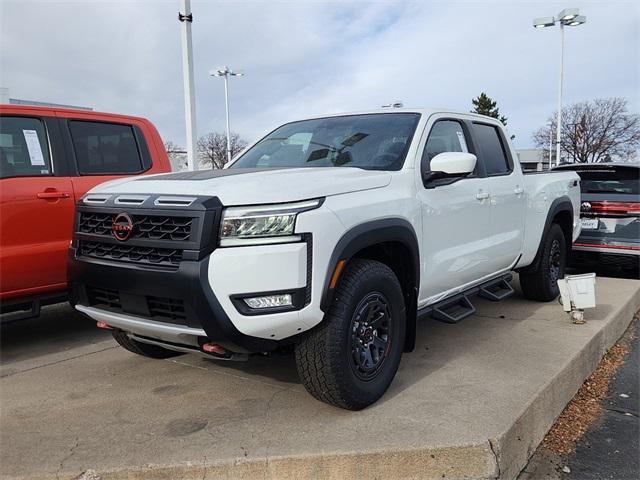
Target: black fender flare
(372,233)
(560,204)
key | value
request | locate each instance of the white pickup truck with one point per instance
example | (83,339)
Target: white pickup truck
(331,236)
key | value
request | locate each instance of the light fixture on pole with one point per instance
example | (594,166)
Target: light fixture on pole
(186,18)
(569,17)
(226,72)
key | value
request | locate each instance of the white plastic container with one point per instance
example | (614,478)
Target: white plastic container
(578,291)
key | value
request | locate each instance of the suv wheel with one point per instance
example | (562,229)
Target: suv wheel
(542,283)
(350,359)
(144,349)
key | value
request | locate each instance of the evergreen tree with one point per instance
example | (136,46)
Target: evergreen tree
(485,105)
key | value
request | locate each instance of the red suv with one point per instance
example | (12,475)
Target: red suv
(49,158)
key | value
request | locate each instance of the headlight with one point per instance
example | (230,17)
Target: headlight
(262,224)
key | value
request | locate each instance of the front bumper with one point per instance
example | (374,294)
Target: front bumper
(175,306)
(190,291)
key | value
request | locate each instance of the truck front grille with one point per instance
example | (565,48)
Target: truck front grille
(153,227)
(104,297)
(156,308)
(170,257)
(171,308)
(161,233)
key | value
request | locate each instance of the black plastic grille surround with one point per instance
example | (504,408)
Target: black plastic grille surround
(162,235)
(130,253)
(154,227)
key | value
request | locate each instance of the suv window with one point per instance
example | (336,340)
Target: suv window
(610,180)
(445,136)
(491,148)
(24,148)
(105,148)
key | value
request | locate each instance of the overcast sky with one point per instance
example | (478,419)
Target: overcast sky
(304,57)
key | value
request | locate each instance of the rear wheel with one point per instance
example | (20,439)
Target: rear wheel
(542,283)
(144,349)
(350,359)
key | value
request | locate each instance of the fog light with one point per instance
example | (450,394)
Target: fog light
(269,301)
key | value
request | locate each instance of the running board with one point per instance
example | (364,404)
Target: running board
(496,290)
(454,309)
(458,307)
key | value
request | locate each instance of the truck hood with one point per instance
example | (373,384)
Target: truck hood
(244,186)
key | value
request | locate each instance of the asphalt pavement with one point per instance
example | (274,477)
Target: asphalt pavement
(610,449)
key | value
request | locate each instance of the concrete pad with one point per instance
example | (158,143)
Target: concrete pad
(473,401)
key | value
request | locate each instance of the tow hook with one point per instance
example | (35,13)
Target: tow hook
(216,350)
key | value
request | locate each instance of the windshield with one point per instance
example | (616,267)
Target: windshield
(618,180)
(372,142)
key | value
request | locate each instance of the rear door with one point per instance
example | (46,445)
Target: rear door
(104,150)
(36,206)
(506,189)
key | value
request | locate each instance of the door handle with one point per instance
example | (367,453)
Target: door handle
(482,195)
(52,195)
(518,190)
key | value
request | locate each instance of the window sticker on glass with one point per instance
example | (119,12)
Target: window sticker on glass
(33,145)
(463,142)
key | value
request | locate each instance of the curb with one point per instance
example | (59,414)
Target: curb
(514,447)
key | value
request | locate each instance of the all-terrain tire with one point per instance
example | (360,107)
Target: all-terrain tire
(144,349)
(541,283)
(350,359)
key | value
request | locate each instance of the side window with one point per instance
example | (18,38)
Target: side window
(445,136)
(24,148)
(105,148)
(491,149)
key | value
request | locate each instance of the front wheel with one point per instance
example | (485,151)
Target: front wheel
(350,359)
(542,283)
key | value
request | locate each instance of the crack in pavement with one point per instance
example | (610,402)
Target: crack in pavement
(495,456)
(622,411)
(12,373)
(72,451)
(217,370)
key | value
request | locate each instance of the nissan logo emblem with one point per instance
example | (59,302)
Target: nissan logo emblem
(585,206)
(122,227)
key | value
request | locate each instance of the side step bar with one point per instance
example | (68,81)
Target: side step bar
(458,307)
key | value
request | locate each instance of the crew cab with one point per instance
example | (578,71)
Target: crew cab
(330,236)
(49,158)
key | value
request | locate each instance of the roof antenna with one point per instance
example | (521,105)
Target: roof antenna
(396,104)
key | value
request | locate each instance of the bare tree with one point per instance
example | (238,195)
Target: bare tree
(601,130)
(212,148)
(177,155)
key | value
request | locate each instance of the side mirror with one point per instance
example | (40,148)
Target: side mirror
(454,163)
(450,165)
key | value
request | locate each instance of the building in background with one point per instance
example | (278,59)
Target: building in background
(534,159)
(6,99)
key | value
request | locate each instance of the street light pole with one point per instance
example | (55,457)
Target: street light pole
(559,119)
(186,17)
(226,107)
(226,72)
(568,17)
(550,144)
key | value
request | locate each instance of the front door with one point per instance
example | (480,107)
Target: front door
(36,211)
(456,219)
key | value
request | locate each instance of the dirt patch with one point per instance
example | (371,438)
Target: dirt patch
(586,406)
